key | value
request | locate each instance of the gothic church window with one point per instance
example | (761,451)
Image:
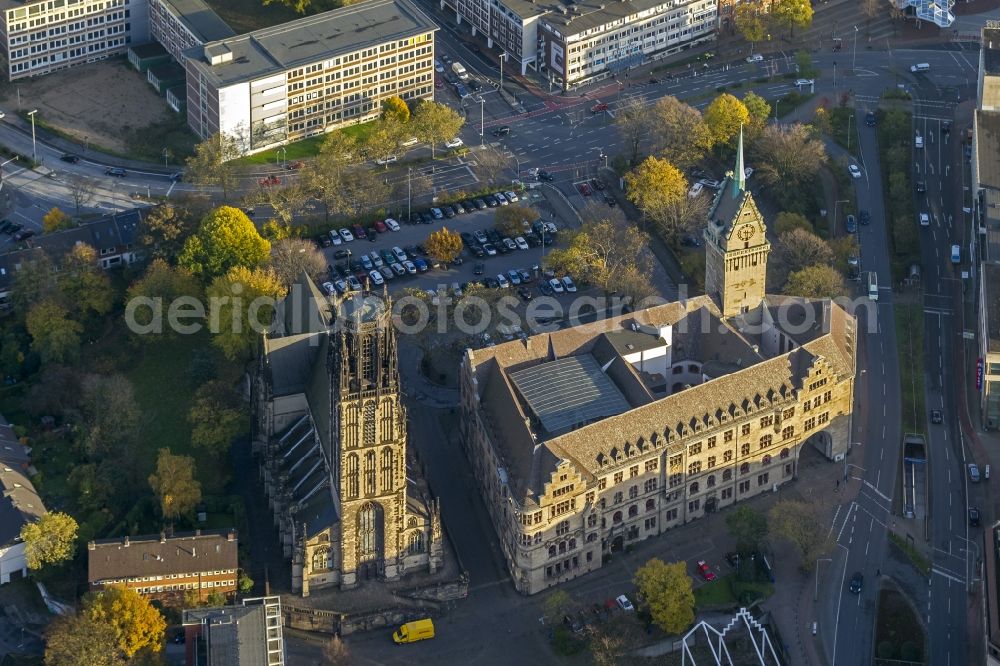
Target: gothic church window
(370,473)
(416,543)
(369,424)
(387,470)
(322,559)
(352,475)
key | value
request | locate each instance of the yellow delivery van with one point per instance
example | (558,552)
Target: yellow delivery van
(414,631)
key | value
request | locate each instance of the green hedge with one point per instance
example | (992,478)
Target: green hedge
(895,138)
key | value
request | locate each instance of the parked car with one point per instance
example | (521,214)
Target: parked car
(600,107)
(341,254)
(391,224)
(501,198)
(974,472)
(353,283)
(521,243)
(478,268)
(705,571)
(380,226)
(973,516)
(514,277)
(454,143)
(545,176)
(346,234)
(624,603)
(511,197)
(117,172)
(855,171)
(502,281)
(852,225)
(70,157)
(491,201)
(422,266)
(857,580)
(437,213)
(524,293)
(411,268)
(480,204)
(399,253)
(918,142)
(695,190)
(323,240)
(585,189)
(359,232)
(557,286)
(24,234)
(329,288)
(489,249)
(567,282)
(756,57)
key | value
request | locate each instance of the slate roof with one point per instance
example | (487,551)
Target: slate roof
(19,503)
(234,635)
(158,555)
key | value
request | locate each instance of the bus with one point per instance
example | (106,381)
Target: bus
(873,285)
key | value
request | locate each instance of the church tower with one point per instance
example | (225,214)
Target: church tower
(736,245)
(371,451)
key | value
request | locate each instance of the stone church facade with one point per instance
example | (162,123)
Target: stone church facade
(330,430)
(588,439)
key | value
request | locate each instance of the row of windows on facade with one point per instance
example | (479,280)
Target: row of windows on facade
(609,35)
(361,110)
(44,36)
(656,28)
(185,586)
(323,557)
(45,19)
(145,579)
(352,474)
(347,98)
(357,57)
(56,58)
(383,74)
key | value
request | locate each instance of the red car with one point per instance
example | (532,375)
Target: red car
(296,165)
(380,226)
(268,181)
(706,573)
(585,189)
(600,107)
(359,231)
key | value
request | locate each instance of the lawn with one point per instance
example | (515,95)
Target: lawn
(898,633)
(247,15)
(306,147)
(910,343)
(717,593)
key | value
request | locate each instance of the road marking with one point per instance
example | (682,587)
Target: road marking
(878,492)
(944,572)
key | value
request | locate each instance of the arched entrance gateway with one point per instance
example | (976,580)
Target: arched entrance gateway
(371,531)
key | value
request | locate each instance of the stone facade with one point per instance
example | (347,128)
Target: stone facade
(719,414)
(346,500)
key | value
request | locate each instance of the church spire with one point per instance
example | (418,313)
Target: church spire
(739,176)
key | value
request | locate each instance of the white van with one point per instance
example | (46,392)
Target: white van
(956,254)
(873,285)
(920,67)
(459,71)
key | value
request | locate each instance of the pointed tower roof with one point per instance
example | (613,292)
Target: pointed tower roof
(739,175)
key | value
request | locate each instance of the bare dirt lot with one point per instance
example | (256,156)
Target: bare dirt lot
(105,105)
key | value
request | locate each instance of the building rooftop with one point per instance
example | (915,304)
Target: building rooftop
(988,148)
(991,51)
(572,18)
(158,554)
(991,276)
(234,635)
(308,40)
(19,503)
(198,17)
(569,392)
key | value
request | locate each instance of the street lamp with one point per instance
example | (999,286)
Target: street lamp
(482,120)
(503,57)
(854,61)
(409,212)
(13,159)
(284,156)
(31,114)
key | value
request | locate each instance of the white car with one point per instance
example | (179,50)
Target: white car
(804,82)
(400,255)
(855,171)
(625,604)
(329,288)
(411,268)
(376,277)
(521,243)
(391,159)
(919,141)
(454,143)
(335,237)
(412,141)
(511,197)
(392,224)
(557,286)
(503,281)
(346,234)
(568,284)
(438,67)
(756,57)
(695,190)
(501,198)
(2,115)
(925,220)
(747,172)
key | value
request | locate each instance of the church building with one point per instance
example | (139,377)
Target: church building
(331,432)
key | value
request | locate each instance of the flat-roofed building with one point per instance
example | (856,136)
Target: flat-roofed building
(247,634)
(310,75)
(988,359)
(49,35)
(182,24)
(576,42)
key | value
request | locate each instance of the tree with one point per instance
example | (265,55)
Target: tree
(800,248)
(291,256)
(56,220)
(788,160)
(792,14)
(724,117)
(226,238)
(656,187)
(801,523)
(213,163)
(749,20)
(49,540)
(84,284)
(11,355)
(383,140)
(72,640)
(821,120)
(491,163)
(667,591)
(245,583)
(111,417)
(603,252)
(82,190)
(286,200)
(870,8)
(606,645)
(134,621)
(395,108)
(786,222)
(335,653)
(513,221)
(556,605)
(631,119)
(164,284)
(54,336)
(748,527)
(759,111)
(34,282)
(241,307)
(174,484)
(434,123)
(818,281)
(216,417)
(677,132)
(163,232)
(444,245)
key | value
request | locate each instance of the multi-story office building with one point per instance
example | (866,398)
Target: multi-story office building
(310,75)
(576,42)
(45,36)
(179,25)
(988,359)
(591,438)
(166,567)
(244,634)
